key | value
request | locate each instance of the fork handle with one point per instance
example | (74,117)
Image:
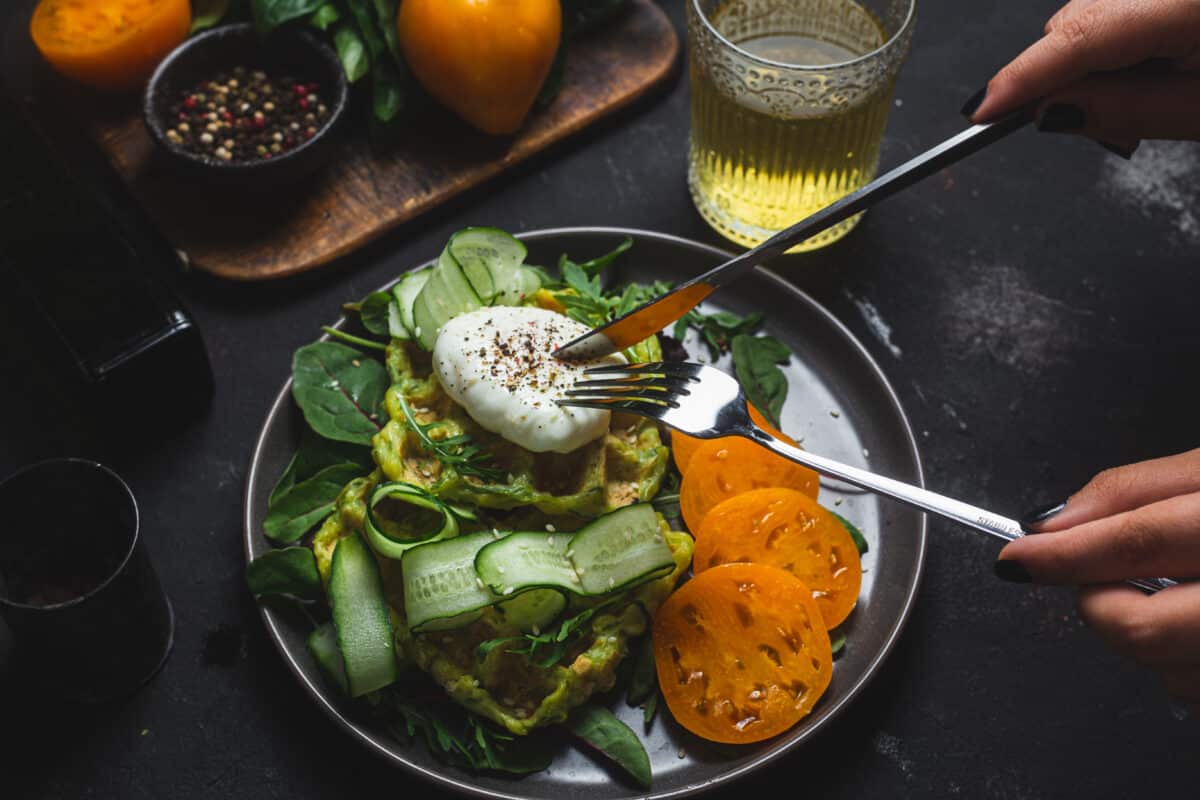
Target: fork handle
(932,502)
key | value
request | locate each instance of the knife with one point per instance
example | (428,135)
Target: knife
(652,317)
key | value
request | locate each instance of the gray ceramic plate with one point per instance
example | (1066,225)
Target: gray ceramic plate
(839,404)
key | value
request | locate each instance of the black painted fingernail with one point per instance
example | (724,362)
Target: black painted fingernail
(1061,117)
(1124,152)
(1040,515)
(1012,571)
(973,103)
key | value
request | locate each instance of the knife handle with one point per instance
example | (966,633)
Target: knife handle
(920,498)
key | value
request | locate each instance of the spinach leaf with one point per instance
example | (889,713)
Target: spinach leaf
(270,14)
(323,647)
(643,681)
(339,390)
(599,728)
(385,15)
(466,740)
(314,455)
(837,641)
(291,572)
(364,18)
(860,541)
(302,506)
(387,98)
(718,329)
(351,51)
(375,312)
(650,709)
(754,363)
(207,13)
(324,16)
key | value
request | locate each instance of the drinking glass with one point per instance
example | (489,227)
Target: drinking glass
(88,616)
(790,99)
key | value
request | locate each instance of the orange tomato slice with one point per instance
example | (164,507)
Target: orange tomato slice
(683,447)
(789,530)
(722,468)
(741,653)
(109,44)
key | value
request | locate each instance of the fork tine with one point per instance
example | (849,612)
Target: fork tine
(652,410)
(633,383)
(675,369)
(657,398)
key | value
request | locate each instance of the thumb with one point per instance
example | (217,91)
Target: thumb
(1124,107)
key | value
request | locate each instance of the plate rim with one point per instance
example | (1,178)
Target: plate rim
(450,781)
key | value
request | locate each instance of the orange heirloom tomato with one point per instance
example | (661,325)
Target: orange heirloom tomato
(109,44)
(485,60)
(789,530)
(741,653)
(684,446)
(722,468)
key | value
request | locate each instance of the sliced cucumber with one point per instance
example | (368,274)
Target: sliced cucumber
(323,646)
(447,294)
(523,561)
(441,588)
(396,328)
(405,292)
(385,540)
(360,615)
(621,549)
(488,252)
(523,282)
(534,611)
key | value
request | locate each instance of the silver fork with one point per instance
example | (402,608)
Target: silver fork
(705,402)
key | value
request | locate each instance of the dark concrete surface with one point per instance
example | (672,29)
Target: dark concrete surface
(1040,303)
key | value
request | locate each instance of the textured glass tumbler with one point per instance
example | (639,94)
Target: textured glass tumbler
(88,616)
(790,99)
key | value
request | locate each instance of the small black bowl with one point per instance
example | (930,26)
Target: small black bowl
(286,51)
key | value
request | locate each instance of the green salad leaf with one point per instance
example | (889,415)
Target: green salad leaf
(291,572)
(467,740)
(207,13)
(860,541)
(297,509)
(755,360)
(643,680)
(324,17)
(340,391)
(599,728)
(717,330)
(375,312)
(270,14)
(351,51)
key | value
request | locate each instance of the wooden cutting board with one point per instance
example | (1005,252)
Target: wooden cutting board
(367,191)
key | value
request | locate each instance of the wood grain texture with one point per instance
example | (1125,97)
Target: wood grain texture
(365,191)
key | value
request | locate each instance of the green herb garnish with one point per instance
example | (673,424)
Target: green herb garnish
(458,452)
(547,649)
(718,329)
(469,741)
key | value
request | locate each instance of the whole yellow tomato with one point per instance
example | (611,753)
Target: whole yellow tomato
(109,44)
(485,60)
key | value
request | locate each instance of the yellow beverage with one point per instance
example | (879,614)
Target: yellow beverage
(770,146)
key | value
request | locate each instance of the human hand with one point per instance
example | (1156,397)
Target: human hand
(1137,521)
(1116,70)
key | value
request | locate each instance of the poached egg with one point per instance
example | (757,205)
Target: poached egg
(498,363)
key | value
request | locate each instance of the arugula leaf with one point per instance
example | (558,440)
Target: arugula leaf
(547,649)
(598,727)
(458,452)
(291,572)
(207,13)
(302,506)
(469,741)
(754,362)
(324,16)
(270,14)
(339,390)
(860,541)
(598,264)
(351,51)
(718,329)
